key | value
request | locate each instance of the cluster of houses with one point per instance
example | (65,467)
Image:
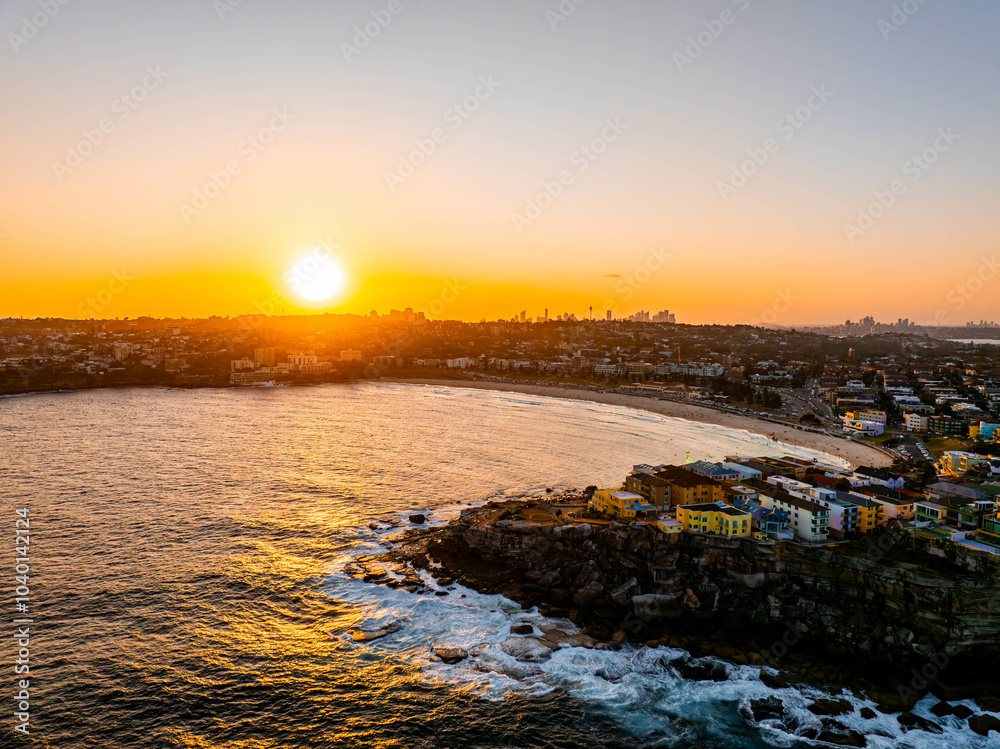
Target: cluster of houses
(791,499)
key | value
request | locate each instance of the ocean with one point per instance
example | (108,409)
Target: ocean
(188,586)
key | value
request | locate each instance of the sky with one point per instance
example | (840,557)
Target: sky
(729,160)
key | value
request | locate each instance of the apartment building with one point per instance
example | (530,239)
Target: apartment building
(715,517)
(687,488)
(809,520)
(621,504)
(844,516)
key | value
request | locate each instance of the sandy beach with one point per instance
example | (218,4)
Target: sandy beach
(855,453)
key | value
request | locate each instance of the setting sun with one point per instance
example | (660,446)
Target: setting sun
(316,276)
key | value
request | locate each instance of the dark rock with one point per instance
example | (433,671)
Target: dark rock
(830,707)
(527,649)
(909,720)
(774,681)
(522,629)
(951,691)
(367,635)
(942,709)
(765,709)
(961,712)
(623,593)
(892,701)
(451,655)
(867,713)
(842,737)
(444,582)
(440,592)
(990,703)
(694,671)
(417,519)
(983,724)
(588,594)
(654,607)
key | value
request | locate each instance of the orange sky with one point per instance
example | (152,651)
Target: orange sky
(311,148)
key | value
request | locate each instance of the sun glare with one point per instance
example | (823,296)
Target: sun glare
(316,276)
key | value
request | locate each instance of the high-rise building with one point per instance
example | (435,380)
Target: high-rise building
(609,315)
(263,357)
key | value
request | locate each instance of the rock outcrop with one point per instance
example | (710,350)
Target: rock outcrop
(851,613)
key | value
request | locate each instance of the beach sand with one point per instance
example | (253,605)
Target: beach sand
(855,453)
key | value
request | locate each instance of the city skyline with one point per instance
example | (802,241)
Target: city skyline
(560,156)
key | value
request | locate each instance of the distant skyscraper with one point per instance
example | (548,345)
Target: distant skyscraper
(609,315)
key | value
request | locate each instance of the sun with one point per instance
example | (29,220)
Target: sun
(316,276)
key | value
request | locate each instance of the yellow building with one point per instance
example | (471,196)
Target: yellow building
(688,488)
(621,504)
(870,514)
(718,518)
(666,524)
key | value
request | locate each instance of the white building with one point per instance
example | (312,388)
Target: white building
(844,516)
(869,423)
(745,471)
(809,520)
(916,423)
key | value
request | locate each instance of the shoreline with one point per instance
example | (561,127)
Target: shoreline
(855,453)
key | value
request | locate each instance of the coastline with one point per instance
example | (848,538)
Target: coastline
(855,453)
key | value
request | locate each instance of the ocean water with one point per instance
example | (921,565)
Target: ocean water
(188,590)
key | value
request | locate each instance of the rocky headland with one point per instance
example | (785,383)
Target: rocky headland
(890,616)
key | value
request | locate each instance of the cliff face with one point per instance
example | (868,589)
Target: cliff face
(879,606)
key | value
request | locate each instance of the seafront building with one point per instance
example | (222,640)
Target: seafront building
(809,520)
(621,504)
(774,500)
(716,518)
